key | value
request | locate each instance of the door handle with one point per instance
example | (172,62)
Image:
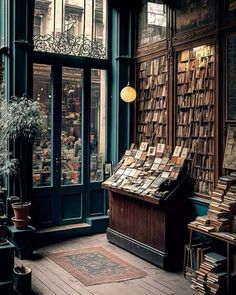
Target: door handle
(58,160)
(58,163)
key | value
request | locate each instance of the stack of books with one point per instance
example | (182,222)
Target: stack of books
(222,206)
(211,276)
(216,208)
(216,276)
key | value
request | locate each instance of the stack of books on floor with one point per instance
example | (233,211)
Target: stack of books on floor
(211,276)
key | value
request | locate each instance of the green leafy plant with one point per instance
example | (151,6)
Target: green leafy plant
(8,166)
(20,118)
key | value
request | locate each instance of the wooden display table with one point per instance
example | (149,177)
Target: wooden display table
(151,228)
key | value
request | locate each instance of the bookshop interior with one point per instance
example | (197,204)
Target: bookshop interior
(117,118)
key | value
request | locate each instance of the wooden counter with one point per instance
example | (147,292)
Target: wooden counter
(151,228)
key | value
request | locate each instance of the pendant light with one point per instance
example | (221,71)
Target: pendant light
(128,93)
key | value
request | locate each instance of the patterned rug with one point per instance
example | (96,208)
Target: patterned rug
(96,265)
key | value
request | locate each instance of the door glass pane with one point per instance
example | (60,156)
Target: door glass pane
(71,27)
(97,124)
(42,170)
(71,126)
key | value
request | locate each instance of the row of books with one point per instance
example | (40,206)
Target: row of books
(195,116)
(201,51)
(186,75)
(154,66)
(147,82)
(156,102)
(152,132)
(199,146)
(155,139)
(195,130)
(152,104)
(198,85)
(159,116)
(152,116)
(197,99)
(148,170)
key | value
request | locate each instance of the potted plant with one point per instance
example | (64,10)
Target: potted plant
(22,119)
(22,277)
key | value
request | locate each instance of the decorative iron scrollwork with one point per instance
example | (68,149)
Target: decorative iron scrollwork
(65,43)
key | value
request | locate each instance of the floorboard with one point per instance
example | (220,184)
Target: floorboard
(48,278)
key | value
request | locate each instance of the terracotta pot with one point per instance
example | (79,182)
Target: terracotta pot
(21,211)
(21,223)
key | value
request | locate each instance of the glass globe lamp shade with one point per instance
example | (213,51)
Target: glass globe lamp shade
(128,94)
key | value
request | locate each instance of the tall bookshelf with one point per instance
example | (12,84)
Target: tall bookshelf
(152,101)
(195,113)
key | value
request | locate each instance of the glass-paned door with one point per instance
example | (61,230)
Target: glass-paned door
(68,159)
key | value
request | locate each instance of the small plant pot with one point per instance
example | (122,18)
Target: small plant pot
(22,277)
(21,223)
(21,211)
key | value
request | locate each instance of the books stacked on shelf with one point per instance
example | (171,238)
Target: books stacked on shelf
(194,256)
(195,113)
(211,276)
(152,101)
(222,209)
(148,170)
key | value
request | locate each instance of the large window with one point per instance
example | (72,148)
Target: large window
(71,27)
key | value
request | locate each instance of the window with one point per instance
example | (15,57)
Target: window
(152,23)
(37,25)
(42,170)
(75,28)
(97,124)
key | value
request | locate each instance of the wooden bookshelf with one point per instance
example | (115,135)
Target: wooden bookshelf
(152,101)
(195,100)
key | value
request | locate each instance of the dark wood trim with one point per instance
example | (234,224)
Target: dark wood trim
(142,250)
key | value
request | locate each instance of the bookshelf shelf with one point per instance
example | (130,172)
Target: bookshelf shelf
(218,236)
(152,101)
(195,112)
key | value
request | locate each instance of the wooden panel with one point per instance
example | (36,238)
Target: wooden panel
(96,202)
(71,206)
(41,209)
(139,220)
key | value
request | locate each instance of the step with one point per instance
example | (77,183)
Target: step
(61,232)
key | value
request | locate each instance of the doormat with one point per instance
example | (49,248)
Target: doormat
(96,265)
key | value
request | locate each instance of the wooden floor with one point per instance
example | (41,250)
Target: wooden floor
(48,278)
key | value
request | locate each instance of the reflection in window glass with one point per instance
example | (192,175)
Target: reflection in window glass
(71,128)
(2,23)
(74,27)
(97,124)
(1,79)
(152,22)
(42,172)
(3,143)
